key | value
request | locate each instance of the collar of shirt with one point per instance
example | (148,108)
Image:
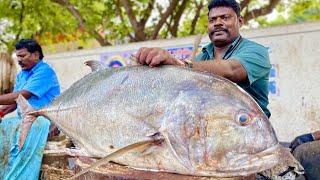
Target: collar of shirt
(209,49)
(33,69)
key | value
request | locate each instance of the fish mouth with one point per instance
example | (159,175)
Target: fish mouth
(254,163)
(248,164)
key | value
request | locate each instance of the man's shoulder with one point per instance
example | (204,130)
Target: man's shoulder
(44,66)
(252,43)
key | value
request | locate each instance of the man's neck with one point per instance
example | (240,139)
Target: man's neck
(219,51)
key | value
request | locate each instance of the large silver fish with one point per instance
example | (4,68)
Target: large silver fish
(193,122)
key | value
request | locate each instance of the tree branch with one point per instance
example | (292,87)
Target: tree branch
(138,30)
(244,4)
(82,22)
(119,13)
(168,26)
(21,17)
(177,17)
(261,11)
(147,13)
(171,8)
(4,42)
(196,17)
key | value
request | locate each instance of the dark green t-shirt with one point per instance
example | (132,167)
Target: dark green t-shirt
(255,60)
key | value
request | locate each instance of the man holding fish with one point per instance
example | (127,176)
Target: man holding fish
(228,55)
(243,62)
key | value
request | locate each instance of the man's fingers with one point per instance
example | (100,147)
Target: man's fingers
(153,53)
(157,60)
(144,54)
(139,55)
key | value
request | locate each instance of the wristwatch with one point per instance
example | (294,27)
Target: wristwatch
(188,63)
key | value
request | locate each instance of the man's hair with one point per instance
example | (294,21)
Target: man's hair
(226,3)
(31,45)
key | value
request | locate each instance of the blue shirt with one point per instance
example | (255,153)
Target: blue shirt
(255,60)
(41,81)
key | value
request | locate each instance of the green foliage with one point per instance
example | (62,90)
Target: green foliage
(27,19)
(107,21)
(298,11)
(200,28)
(303,11)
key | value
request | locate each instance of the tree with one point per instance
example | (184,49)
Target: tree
(26,19)
(110,21)
(296,11)
(142,25)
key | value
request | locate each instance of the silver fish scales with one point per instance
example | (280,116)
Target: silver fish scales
(198,123)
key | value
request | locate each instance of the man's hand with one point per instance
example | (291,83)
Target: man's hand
(300,140)
(156,56)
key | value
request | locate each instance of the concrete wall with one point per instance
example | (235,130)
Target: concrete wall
(294,53)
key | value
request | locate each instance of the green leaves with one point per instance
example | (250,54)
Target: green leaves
(120,21)
(296,11)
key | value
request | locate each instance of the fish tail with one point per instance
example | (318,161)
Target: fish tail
(29,115)
(135,146)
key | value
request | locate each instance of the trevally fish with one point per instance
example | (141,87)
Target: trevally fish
(172,119)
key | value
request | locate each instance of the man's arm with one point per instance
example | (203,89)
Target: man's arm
(315,136)
(231,69)
(6,109)
(9,99)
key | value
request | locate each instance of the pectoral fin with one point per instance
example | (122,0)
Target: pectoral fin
(139,146)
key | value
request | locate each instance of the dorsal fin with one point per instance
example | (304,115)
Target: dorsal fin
(94,65)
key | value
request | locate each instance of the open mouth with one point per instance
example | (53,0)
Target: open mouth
(248,164)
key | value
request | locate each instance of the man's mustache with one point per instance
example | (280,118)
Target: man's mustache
(218,30)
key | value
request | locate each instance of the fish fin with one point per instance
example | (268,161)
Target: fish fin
(24,105)
(94,65)
(181,153)
(25,109)
(135,146)
(195,48)
(181,124)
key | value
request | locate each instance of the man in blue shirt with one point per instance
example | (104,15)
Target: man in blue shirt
(228,55)
(38,83)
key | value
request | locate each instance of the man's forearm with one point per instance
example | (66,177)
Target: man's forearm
(10,98)
(8,109)
(230,69)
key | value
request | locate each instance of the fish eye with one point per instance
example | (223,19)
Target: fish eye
(243,118)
